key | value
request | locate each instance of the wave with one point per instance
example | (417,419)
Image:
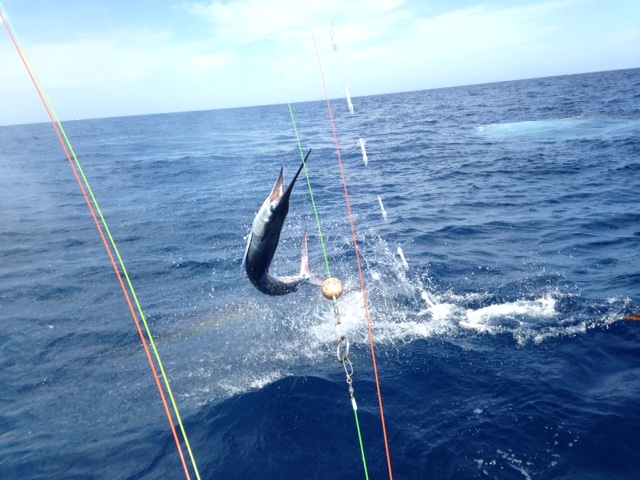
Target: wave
(567,128)
(248,341)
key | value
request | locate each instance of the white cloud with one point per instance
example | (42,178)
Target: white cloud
(382,42)
(230,53)
(118,58)
(470,45)
(123,72)
(246,21)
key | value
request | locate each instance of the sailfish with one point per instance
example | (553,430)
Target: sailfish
(263,239)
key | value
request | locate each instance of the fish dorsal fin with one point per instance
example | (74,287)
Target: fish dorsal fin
(278,188)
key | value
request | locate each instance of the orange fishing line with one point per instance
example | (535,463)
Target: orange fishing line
(106,244)
(355,246)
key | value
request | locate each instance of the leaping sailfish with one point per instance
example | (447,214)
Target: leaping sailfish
(263,242)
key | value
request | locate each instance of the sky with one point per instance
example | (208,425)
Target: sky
(107,58)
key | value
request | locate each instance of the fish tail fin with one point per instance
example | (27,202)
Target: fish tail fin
(305,268)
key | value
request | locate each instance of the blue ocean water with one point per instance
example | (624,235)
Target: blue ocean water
(502,351)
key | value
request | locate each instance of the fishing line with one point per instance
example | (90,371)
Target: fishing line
(345,359)
(76,167)
(355,246)
(295,129)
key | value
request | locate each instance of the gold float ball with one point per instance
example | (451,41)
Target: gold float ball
(332,288)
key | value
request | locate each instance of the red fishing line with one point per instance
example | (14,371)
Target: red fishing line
(355,246)
(104,240)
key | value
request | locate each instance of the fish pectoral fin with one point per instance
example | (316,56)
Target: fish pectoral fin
(248,238)
(305,267)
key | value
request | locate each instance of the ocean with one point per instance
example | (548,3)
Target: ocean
(502,352)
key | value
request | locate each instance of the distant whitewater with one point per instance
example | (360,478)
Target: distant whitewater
(501,350)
